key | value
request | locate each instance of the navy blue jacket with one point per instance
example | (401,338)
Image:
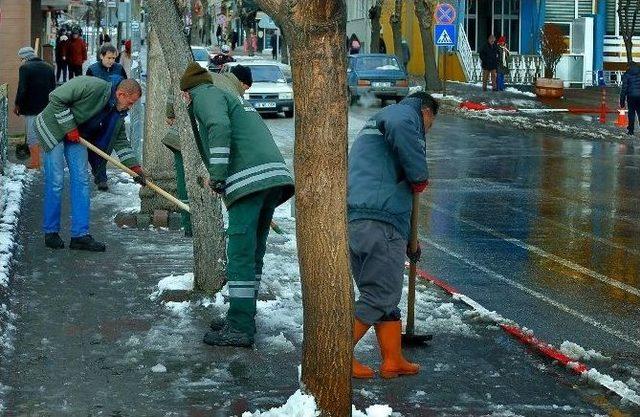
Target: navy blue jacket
(388,155)
(98,70)
(36,81)
(630,84)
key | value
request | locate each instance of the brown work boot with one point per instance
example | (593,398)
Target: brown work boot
(393,363)
(34,150)
(359,370)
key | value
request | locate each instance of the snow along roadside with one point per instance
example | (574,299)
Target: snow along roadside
(11,190)
(567,355)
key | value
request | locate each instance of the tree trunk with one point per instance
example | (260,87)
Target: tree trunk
(315,32)
(158,160)
(206,216)
(396,28)
(284,49)
(424,10)
(374,15)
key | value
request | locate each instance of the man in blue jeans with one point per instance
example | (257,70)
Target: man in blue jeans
(92,108)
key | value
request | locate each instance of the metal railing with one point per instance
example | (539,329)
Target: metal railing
(4,125)
(523,69)
(465,53)
(611,78)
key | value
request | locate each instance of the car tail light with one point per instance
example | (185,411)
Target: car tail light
(364,82)
(402,83)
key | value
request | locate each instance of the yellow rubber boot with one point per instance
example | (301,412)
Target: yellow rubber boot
(393,363)
(359,370)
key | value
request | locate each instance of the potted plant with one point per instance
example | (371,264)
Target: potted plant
(553,47)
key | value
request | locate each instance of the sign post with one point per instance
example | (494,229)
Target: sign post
(445,34)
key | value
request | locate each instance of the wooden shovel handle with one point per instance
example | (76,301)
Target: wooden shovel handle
(413,247)
(128,170)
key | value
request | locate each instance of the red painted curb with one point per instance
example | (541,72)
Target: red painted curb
(516,331)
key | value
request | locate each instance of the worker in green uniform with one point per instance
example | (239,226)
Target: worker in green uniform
(248,171)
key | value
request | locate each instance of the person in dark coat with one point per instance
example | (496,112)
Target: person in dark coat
(489,56)
(36,81)
(76,53)
(274,45)
(61,55)
(387,166)
(234,39)
(111,71)
(104,37)
(630,94)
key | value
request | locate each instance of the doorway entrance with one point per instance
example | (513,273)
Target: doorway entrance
(497,17)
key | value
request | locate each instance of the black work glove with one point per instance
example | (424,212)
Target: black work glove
(140,179)
(414,257)
(217,186)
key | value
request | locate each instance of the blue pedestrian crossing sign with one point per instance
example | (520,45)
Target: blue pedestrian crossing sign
(445,35)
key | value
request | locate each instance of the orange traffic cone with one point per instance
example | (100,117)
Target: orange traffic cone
(623,120)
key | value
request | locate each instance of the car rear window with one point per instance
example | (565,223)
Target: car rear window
(267,74)
(377,63)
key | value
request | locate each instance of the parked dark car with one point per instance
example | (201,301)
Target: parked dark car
(378,74)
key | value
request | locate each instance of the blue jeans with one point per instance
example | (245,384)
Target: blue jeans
(76,157)
(500,81)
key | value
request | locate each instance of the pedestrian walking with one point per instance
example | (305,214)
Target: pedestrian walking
(36,80)
(125,58)
(234,39)
(248,171)
(387,165)
(109,70)
(274,45)
(489,62)
(219,35)
(91,108)
(76,53)
(406,53)
(61,56)
(251,43)
(103,37)
(630,94)
(503,62)
(353,44)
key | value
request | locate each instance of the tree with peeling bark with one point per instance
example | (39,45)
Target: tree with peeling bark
(158,160)
(425,10)
(206,211)
(374,15)
(315,31)
(395,20)
(628,17)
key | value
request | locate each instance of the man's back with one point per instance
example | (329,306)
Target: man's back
(37,80)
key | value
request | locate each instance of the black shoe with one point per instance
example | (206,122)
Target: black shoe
(630,132)
(228,336)
(217,324)
(87,242)
(102,186)
(53,241)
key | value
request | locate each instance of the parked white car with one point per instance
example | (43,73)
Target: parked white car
(271,91)
(201,55)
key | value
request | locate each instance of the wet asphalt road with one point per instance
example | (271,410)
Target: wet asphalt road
(542,229)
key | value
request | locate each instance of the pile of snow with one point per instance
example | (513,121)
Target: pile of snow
(619,387)
(577,352)
(174,283)
(159,368)
(11,186)
(304,405)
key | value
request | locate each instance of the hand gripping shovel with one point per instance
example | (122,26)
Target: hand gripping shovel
(409,338)
(124,168)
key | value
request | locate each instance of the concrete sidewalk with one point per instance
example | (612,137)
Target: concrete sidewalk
(91,341)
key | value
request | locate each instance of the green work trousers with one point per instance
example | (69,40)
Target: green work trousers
(249,222)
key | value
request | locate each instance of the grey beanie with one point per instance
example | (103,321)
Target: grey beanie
(27,52)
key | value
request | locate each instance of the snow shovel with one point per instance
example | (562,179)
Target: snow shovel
(409,338)
(124,168)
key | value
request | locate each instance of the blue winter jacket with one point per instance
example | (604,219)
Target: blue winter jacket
(630,84)
(98,70)
(387,156)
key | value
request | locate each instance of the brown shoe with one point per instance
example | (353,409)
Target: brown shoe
(359,370)
(393,363)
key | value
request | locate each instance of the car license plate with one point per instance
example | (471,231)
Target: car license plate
(265,105)
(380,84)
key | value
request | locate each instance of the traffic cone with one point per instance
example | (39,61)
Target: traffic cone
(623,120)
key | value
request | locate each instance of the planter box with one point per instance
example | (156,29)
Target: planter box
(549,87)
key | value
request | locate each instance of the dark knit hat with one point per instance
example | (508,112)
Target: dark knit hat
(193,76)
(243,74)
